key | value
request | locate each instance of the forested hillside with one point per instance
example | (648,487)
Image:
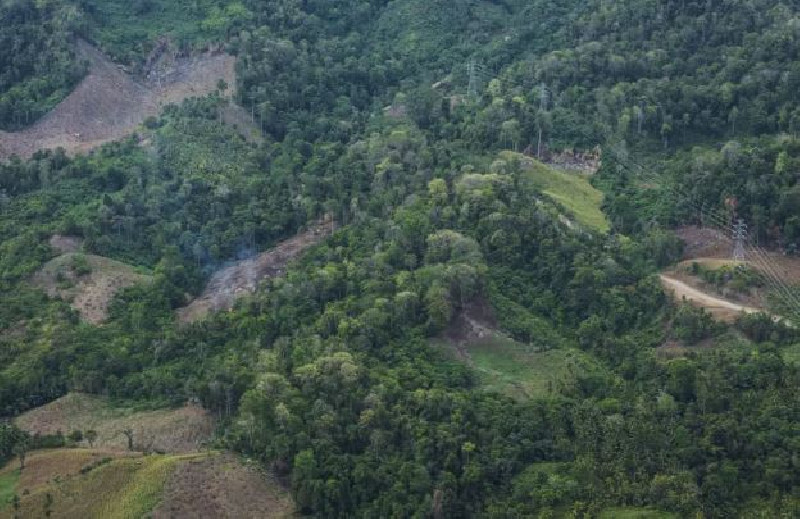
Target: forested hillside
(384,372)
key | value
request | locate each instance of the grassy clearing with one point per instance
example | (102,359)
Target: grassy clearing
(571,190)
(8,485)
(519,371)
(169,430)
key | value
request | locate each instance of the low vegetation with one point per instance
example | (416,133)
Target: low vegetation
(521,371)
(185,429)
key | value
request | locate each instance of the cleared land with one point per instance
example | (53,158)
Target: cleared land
(110,481)
(711,249)
(221,486)
(110,104)
(84,483)
(88,282)
(510,367)
(241,278)
(571,190)
(181,430)
(515,369)
(706,245)
(103,485)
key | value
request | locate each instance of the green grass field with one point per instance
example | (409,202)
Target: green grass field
(8,483)
(572,190)
(516,370)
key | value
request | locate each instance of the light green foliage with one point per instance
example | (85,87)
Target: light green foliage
(8,487)
(572,190)
(791,354)
(522,372)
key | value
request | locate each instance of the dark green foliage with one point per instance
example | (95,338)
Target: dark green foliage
(38,64)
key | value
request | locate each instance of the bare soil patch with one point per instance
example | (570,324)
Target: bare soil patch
(702,242)
(88,282)
(221,486)
(755,297)
(243,277)
(180,430)
(48,466)
(721,309)
(110,104)
(66,244)
(475,323)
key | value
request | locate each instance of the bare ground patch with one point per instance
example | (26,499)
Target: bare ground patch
(65,244)
(709,244)
(220,486)
(229,284)
(88,282)
(180,430)
(110,104)
(47,466)
(721,309)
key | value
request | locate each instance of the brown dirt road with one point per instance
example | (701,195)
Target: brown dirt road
(110,104)
(719,308)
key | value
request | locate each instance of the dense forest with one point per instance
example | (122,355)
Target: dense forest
(417,126)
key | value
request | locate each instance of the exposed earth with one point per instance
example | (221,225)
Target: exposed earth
(229,284)
(170,473)
(88,282)
(110,104)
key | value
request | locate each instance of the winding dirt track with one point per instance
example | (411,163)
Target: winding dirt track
(719,308)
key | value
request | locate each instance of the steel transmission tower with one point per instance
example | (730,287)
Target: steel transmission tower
(739,238)
(472,89)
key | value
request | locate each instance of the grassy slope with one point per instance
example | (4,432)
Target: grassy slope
(124,487)
(512,368)
(571,190)
(8,483)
